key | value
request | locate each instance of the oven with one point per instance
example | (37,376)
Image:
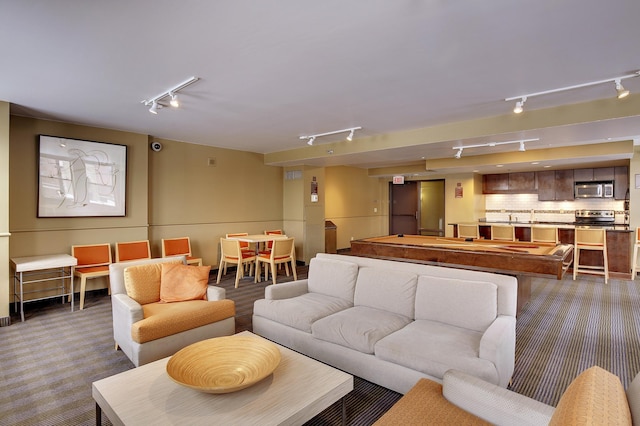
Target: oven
(595,217)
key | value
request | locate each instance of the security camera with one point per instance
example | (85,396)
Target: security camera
(156,146)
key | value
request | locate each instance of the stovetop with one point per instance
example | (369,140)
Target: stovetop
(595,217)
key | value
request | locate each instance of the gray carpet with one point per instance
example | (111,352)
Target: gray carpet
(47,364)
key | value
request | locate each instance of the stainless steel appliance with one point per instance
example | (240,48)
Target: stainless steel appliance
(593,189)
(595,217)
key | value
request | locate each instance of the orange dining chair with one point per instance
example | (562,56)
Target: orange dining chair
(180,247)
(133,250)
(230,252)
(270,243)
(282,251)
(93,261)
(244,246)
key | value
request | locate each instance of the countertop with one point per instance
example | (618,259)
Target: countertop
(561,225)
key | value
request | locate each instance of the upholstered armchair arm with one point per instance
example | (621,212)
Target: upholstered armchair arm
(286,290)
(126,312)
(493,403)
(498,345)
(216,293)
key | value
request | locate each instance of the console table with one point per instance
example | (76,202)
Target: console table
(38,269)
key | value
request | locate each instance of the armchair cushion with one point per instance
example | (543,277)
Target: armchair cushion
(165,319)
(179,283)
(596,396)
(142,282)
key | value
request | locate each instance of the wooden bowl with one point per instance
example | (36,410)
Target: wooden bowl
(224,364)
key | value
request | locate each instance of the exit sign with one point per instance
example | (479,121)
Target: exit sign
(398,180)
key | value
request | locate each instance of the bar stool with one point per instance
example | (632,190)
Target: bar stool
(503,232)
(590,239)
(468,231)
(544,234)
(634,269)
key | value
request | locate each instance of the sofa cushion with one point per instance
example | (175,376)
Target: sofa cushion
(358,328)
(300,311)
(166,319)
(142,282)
(433,348)
(595,397)
(466,304)
(386,289)
(179,283)
(333,278)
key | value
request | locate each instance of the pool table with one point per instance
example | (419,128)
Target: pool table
(518,258)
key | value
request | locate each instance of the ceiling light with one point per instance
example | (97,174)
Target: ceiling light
(622,93)
(459,153)
(171,93)
(174,100)
(519,105)
(522,149)
(311,138)
(492,144)
(620,90)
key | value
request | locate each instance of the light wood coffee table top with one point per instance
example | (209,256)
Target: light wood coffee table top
(298,389)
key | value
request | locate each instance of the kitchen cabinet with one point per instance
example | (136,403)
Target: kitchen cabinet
(495,183)
(621,184)
(598,174)
(509,183)
(555,185)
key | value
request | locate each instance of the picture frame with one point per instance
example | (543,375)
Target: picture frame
(79,178)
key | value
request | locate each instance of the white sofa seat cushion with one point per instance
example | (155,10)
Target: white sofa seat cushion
(463,303)
(386,289)
(358,328)
(433,348)
(300,311)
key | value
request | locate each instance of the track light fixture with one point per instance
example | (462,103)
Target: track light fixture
(621,92)
(312,138)
(154,102)
(480,145)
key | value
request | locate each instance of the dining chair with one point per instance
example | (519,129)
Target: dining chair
(544,234)
(93,262)
(132,250)
(180,247)
(636,245)
(468,231)
(590,239)
(231,253)
(503,232)
(245,246)
(282,252)
(272,232)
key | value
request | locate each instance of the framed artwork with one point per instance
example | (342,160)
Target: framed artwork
(81,178)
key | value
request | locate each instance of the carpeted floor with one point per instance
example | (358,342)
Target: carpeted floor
(47,364)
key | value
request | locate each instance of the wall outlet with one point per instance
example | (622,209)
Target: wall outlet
(351,238)
(375,210)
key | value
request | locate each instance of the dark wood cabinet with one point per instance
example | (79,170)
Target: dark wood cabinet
(555,185)
(583,175)
(523,182)
(564,185)
(604,173)
(621,184)
(495,183)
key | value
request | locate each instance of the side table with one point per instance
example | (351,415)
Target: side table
(37,269)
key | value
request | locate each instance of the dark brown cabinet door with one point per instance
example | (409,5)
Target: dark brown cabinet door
(583,175)
(621,185)
(495,184)
(546,185)
(604,173)
(564,185)
(522,182)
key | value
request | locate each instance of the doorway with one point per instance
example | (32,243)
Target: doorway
(417,208)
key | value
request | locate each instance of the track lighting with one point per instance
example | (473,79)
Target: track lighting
(312,138)
(519,105)
(171,93)
(174,100)
(492,144)
(621,92)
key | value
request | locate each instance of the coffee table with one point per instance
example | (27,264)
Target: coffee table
(299,389)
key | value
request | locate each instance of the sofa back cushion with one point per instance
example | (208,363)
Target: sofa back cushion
(332,278)
(468,304)
(386,289)
(143,282)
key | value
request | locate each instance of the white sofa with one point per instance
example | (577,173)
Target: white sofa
(393,322)
(126,311)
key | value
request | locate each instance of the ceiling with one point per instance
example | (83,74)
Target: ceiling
(274,70)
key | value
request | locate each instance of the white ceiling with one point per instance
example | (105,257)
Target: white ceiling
(273,70)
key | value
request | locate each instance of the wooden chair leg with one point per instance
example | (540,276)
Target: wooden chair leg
(238,273)
(274,272)
(293,268)
(634,268)
(83,285)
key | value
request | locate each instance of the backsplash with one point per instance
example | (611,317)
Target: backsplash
(498,207)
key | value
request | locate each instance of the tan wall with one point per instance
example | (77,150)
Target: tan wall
(293,209)
(351,198)
(470,207)
(4,210)
(634,193)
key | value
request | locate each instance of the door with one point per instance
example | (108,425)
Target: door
(432,208)
(403,218)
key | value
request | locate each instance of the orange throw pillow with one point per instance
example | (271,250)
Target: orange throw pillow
(180,282)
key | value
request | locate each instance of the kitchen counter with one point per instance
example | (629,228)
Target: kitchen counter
(619,241)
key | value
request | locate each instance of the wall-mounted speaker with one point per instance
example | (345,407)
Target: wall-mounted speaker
(156,146)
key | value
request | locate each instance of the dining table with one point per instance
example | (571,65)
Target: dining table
(258,239)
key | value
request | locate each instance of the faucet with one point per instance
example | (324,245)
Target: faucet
(509,217)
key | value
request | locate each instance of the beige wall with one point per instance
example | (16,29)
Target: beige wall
(4,210)
(357,204)
(170,193)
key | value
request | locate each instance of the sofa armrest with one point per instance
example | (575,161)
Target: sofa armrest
(498,345)
(286,290)
(216,293)
(126,312)
(493,403)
